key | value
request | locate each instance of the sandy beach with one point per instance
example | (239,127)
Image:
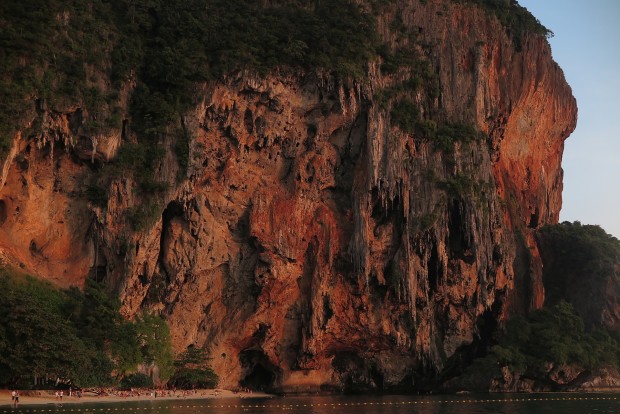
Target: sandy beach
(47,397)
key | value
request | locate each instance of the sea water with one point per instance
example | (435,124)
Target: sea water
(549,403)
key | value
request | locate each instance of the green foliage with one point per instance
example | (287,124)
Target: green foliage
(157,289)
(585,247)
(154,340)
(124,349)
(517,20)
(190,378)
(421,77)
(457,186)
(477,374)
(37,338)
(181,149)
(97,195)
(445,135)
(331,34)
(192,370)
(59,54)
(143,216)
(553,334)
(581,266)
(406,115)
(48,49)
(426,128)
(427,221)
(137,380)
(392,61)
(72,334)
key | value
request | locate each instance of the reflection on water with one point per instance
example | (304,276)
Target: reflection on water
(471,404)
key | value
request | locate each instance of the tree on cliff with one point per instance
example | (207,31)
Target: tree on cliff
(193,371)
(154,342)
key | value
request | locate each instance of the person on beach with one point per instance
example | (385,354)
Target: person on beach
(13,394)
(61,392)
(16,401)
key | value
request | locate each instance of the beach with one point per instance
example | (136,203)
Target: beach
(39,397)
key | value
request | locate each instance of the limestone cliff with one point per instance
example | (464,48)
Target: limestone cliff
(312,242)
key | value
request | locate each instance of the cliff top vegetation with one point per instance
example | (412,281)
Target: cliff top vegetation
(69,53)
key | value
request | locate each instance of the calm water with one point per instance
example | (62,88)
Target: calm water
(470,404)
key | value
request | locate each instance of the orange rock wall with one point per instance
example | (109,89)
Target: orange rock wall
(311,244)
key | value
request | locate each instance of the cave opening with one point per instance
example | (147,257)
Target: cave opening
(261,374)
(172,211)
(534,219)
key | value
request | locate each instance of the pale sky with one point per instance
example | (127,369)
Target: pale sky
(587,47)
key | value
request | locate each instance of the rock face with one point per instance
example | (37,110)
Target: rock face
(557,379)
(312,244)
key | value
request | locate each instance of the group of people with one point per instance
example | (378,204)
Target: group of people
(138,392)
(58,395)
(15,397)
(71,393)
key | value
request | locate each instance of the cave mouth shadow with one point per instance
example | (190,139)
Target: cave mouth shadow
(261,374)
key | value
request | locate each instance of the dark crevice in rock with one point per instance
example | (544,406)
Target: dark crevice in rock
(125,130)
(434,269)
(260,124)
(305,287)
(534,219)
(98,271)
(241,230)
(248,120)
(311,132)
(261,374)
(3,215)
(76,119)
(328,312)
(456,223)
